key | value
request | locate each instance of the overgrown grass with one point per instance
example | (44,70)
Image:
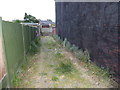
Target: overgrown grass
(82,56)
(34,47)
(58,55)
(43,74)
(54,78)
(65,67)
(16,81)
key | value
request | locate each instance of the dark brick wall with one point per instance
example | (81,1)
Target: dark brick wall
(92,26)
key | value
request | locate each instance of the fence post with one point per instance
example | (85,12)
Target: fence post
(4,59)
(0,42)
(23,41)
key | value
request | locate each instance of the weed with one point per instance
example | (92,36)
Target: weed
(37,41)
(28,82)
(59,55)
(34,47)
(84,57)
(51,65)
(73,48)
(42,74)
(68,46)
(54,78)
(87,56)
(16,81)
(64,68)
(64,42)
(55,85)
(105,73)
(24,67)
(79,54)
(94,69)
(58,39)
(51,44)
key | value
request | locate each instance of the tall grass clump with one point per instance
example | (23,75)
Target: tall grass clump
(65,68)
(34,47)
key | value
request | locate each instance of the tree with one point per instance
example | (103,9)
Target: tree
(49,20)
(30,18)
(17,21)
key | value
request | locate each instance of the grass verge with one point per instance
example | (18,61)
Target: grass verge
(83,56)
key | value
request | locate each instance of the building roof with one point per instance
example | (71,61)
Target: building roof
(35,24)
(45,22)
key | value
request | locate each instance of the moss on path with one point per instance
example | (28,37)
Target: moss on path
(54,67)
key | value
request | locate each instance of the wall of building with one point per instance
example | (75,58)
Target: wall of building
(92,26)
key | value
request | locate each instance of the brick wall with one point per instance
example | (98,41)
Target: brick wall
(92,26)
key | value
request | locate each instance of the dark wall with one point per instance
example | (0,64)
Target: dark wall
(92,26)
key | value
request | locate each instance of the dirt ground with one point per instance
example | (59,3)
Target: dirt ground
(2,67)
(41,70)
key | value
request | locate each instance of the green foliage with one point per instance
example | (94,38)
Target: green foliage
(73,48)
(82,55)
(54,78)
(43,74)
(16,81)
(49,20)
(58,39)
(24,66)
(34,47)
(86,56)
(37,41)
(17,21)
(59,55)
(64,68)
(68,46)
(31,19)
(64,42)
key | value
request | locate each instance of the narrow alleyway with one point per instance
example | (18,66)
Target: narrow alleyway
(54,67)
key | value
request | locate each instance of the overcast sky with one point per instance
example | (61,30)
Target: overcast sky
(15,9)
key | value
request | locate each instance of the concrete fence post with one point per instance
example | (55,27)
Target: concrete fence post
(23,42)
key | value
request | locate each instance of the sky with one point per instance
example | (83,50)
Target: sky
(15,9)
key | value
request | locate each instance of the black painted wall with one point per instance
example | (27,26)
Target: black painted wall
(92,26)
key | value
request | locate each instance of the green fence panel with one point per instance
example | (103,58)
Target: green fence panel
(14,49)
(17,40)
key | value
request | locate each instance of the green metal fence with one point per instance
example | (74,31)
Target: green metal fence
(17,39)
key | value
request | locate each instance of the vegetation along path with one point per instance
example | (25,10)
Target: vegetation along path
(54,67)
